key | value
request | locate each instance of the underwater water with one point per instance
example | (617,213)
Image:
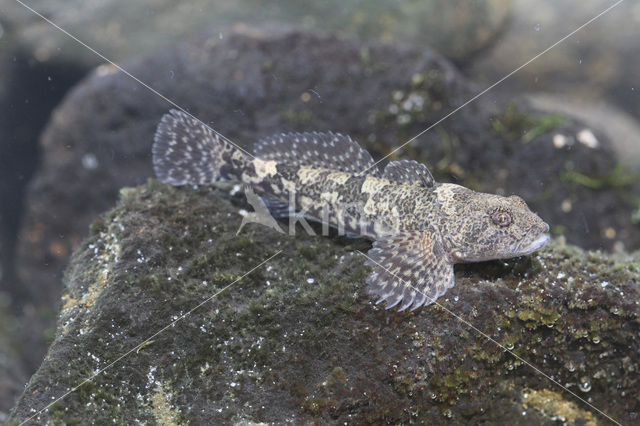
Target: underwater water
(507,97)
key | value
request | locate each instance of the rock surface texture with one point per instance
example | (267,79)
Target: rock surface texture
(298,339)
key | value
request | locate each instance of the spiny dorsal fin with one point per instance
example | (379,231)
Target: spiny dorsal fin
(408,171)
(410,267)
(326,150)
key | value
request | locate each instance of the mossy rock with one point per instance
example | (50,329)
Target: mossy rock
(298,339)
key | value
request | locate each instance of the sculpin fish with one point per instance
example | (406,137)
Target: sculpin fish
(420,228)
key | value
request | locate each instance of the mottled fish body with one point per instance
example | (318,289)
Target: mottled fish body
(420,228)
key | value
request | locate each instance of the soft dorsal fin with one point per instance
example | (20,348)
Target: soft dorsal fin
(326,150)
(408,171)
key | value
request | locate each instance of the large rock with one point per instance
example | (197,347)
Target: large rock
(12,370)
(458,28)
(250,85)
(297,339)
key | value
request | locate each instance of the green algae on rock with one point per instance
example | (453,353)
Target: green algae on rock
(278,346)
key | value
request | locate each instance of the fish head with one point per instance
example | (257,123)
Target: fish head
(479,227)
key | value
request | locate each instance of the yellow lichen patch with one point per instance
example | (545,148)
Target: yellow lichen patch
(162,410)
(552,404)
(89,298)
(106,258)
(68,302)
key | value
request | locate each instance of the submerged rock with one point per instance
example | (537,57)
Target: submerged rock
(457,28)
(254,83)
(297,339)
(12,371)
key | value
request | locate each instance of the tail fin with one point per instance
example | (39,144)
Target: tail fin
(187,152)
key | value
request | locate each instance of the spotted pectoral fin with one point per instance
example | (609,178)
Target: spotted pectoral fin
(411,269)
(326,150)
(408,171)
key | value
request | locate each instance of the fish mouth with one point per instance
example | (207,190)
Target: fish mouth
(535,245)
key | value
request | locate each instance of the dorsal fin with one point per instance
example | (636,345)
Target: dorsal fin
(326,150)
(408,171)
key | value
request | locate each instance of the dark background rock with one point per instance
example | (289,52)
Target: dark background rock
(12,370)
(298,340)
(28,93)
(460,28)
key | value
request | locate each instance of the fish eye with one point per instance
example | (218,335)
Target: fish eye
(501,218)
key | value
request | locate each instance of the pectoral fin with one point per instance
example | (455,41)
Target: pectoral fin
(411,269)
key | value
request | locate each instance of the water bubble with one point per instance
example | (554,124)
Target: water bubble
(171,74)
(585,386)
(89,161)
(509,346)
(596,339)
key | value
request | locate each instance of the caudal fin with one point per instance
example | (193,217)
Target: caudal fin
(187,152)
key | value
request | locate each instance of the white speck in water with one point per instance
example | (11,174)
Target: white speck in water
(221,36)
(310,280)
(603,284)
(172,74)
(89,161)
(586,137)
(560,141)
(235,190)
(537,27)
(585,386)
